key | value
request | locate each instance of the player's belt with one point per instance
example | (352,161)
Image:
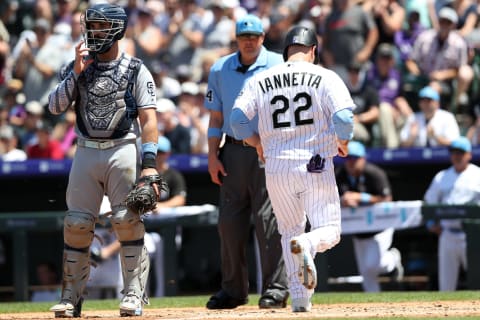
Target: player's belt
(229,139)
(97,144)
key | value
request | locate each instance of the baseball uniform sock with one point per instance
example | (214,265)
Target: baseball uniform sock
(307,271)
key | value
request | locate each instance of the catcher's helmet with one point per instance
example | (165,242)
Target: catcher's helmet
(103,12)
(300,36)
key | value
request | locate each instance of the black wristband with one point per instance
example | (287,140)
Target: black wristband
(148,160)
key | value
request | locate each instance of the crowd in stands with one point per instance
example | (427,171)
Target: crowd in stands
(412,66)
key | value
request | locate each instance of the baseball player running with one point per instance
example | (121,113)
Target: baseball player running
(305,118)
(109,91)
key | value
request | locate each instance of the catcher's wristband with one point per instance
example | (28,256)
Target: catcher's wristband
(148,160)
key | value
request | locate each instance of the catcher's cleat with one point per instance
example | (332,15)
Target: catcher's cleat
(301,305)
(307,272)
(65,309)
(131,306)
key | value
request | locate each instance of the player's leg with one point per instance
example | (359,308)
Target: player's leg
(320,200)
(129,228)
(274,277)
(384,240)
(367,256)
(291,225)
(390,258)
(84,196)
(322,206)
(233,228)
(448,262)
(462,250)
(134,258)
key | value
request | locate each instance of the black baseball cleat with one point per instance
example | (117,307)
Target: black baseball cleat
(273,300)
(222,300)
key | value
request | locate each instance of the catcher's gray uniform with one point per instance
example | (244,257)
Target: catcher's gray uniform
(109,91)
(103,165)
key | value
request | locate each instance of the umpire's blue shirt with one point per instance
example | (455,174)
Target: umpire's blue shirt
(225,83)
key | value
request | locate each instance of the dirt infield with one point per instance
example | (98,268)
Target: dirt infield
(319,311)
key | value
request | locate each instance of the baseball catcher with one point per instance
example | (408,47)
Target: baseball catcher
(114,98)
(145,194)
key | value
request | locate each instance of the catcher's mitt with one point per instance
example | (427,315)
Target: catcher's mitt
(144,196)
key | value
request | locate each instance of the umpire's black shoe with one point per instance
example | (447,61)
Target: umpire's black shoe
(222,300)
(273,300)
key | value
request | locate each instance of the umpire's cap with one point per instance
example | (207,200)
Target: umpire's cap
(300,36)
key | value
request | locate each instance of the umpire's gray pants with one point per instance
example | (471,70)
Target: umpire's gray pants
(242,194)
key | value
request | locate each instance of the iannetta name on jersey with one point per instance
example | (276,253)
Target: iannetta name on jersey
(290,79)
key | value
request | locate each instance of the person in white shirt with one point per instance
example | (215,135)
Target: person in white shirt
(457,185)
(431,126)
(8,143)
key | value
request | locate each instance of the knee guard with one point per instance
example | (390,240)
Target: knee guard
(78,229)
(135,268)
(127,226)
(76,270)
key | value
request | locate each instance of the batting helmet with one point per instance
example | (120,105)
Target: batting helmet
(300,36)
(100,40)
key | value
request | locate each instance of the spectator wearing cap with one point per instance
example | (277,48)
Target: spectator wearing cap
(45,148)
(457,185)
(394,108)
(441,56)
(170,126)
(466,11)
(9,150)
(431,126)
(39,63)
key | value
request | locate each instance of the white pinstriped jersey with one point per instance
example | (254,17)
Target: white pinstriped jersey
(295,102)
(451,187)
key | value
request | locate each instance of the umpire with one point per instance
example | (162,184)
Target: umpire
(241,176)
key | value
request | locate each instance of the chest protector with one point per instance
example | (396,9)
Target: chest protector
(105,106)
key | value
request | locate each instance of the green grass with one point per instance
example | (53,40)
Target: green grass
(318,298)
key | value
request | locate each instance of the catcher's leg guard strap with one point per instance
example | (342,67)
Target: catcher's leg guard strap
(135,269)
(128,226)
(76,269)
(78,229)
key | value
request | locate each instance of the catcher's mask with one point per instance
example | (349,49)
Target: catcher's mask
(101,40)
(300,36)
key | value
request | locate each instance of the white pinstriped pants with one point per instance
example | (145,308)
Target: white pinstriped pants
(296,196)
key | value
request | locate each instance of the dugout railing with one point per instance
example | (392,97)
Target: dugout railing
(19,225)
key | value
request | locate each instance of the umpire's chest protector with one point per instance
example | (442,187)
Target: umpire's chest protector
(104,91)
